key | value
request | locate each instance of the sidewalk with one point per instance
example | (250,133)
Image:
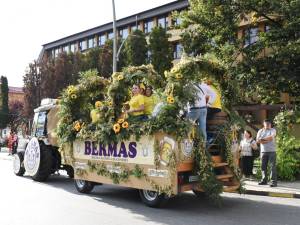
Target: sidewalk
(4,154)
(283,190)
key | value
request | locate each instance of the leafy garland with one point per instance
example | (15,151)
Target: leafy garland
(105,98)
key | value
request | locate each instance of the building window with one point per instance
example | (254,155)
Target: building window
(66,48)
(148,26)
(123,33)
(110,35)
(251,36)
(83,45)
(56,52)
(177,51)
(177,21)
(91,43)
(133,28)
(149,56)
(102,39)
(72,47)
(163,22)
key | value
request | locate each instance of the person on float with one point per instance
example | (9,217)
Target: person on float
(150,100)
(136,104)
(197,112)
(216,105)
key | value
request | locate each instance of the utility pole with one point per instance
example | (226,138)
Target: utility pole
(115,39)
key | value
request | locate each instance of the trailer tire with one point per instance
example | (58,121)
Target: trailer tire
(70,171)
(84,186)
(38,160)
(153,199)
(18,166)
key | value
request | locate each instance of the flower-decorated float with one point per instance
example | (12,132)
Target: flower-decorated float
(162,155)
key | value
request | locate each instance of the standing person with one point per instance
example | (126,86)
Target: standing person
(266,139)
(198,111)
(216,105)
(247,145)
(11,141)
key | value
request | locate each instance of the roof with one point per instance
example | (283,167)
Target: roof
(172,6)
(16,90)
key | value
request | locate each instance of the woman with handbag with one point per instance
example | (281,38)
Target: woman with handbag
(247,146)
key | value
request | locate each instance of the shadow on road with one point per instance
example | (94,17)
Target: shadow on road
(186,208)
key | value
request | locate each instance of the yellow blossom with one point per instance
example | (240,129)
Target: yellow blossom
(170,99)
(166,74)
(120,121)
(120,77)
(178,76)
(116,128)
(125,125)
(77,126)
(98,104)
(110,103)
(73,96)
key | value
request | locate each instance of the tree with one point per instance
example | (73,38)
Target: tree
(136,49)
(15,114)
(161,51)
(105,59)
(212,27)
(4,110)
(32,89)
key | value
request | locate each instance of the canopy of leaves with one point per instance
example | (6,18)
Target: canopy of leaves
(136,49)
(161,51)
(4,111)
(212,27)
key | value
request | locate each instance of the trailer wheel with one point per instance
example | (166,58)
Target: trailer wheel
(38,160)
(153,198)
(84,186)
(18,166)
(70,171)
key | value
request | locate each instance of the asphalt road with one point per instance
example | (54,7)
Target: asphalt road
(25,202)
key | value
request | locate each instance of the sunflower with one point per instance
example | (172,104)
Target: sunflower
(77,126)
(178,76)
(120,77)
(125,125)
(120,121)
(110,103)
(116,128)
(73,96)
(71,90)
(98,104)
(170,99)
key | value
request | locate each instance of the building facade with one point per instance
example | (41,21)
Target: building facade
(144,21)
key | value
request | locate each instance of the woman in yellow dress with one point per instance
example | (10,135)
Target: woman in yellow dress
(137,104)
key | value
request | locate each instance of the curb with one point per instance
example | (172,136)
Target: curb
(273,194)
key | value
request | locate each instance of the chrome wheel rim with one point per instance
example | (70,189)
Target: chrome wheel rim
(80,183)
(150,195)
(16,163)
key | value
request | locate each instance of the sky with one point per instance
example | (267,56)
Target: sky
(27,25)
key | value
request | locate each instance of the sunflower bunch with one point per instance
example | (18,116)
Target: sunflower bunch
(121,123)
(77,126)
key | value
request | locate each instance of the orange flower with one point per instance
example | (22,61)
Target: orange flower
(120,121)
(116,128)
(170,99)
(125,125)
(77,126)
(98,104)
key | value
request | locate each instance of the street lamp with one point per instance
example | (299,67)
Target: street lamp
(115,38)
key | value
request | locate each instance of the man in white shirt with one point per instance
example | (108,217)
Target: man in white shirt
(198,111)
(266,139)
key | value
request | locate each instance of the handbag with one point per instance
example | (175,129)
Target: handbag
(255,152)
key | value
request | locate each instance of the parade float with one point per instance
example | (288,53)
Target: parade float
(87,133)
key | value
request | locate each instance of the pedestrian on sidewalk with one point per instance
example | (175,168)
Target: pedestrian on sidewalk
(266,139)
(12,138)
(247,146)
